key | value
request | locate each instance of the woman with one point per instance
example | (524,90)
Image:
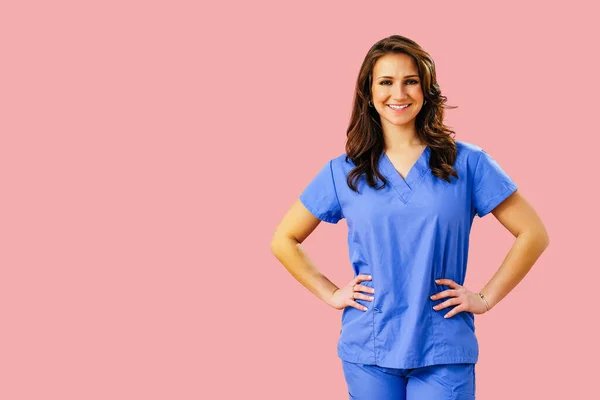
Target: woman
(409,193)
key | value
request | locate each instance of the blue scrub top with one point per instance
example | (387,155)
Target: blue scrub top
(405,236)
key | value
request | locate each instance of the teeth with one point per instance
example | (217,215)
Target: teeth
(397,107)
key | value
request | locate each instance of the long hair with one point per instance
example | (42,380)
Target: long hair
(365,142)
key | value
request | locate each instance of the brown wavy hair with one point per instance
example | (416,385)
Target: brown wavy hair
(365,143)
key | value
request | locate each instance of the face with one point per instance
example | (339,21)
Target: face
(396,82)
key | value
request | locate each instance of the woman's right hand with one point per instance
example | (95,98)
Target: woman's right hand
(345,296)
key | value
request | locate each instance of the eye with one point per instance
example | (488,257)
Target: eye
(410,80)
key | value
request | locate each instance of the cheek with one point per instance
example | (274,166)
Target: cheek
(379,94)
(417,92)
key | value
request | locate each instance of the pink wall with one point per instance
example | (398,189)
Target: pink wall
(149,149)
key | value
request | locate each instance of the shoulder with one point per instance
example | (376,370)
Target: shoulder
(468,149)
(340,159)
(467,146)
(340,164)
(468,153)
(334,169)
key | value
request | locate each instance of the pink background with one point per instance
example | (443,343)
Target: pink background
(150,148)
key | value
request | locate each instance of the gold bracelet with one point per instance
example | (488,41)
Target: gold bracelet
(486,303)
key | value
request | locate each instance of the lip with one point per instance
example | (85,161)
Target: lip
(398,111)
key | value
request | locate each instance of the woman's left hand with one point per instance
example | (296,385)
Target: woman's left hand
(462,298)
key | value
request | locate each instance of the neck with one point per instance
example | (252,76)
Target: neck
(399,137)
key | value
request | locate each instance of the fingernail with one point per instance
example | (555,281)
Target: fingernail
(431,297)
(370,277)
(437,281)
(445,316)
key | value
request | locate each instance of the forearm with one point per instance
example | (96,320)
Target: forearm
(526,249)
(293,257)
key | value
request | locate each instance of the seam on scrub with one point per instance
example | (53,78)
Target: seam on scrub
(433,335)
(492,203)
(321,216)
(373,329)
(474,387)
(456,392)
(416,183)
(475,189)
(412,363)
(397,191)
(334,188)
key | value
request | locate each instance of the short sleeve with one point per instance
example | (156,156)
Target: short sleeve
(491,184)
(320,196)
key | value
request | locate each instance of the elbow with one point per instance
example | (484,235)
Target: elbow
(538,238)
(546,241)
(274,246)
(278,242)
(543,239)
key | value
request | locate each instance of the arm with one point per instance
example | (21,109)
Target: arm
(296,225)
(518,217)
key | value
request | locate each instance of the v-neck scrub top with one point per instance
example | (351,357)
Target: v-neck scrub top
(406,235)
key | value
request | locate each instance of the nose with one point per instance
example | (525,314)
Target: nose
(399,91)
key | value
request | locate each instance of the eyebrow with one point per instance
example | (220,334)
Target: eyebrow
(391,77)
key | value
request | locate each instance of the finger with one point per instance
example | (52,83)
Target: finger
(357,295)
(447,282)
(363,277)
(454,311)
(443,294)
(354,304)
(450,302)
(363,288)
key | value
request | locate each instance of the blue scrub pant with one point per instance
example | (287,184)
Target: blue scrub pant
(434,382)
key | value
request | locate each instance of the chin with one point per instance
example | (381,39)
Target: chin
(402,123)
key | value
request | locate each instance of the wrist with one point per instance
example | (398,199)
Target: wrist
(330,295)
(485,301)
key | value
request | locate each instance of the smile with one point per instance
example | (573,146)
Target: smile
(399,109)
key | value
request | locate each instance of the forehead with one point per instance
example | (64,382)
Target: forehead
(395,64)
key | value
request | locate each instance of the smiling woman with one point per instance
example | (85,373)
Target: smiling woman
(409,193)
(397,99)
